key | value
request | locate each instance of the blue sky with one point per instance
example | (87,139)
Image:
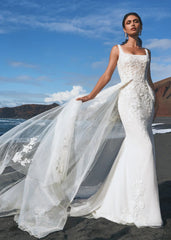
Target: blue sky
(52,50)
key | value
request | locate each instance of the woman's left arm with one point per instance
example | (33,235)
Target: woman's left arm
(156,104)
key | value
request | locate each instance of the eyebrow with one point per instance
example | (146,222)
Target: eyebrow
(131,20)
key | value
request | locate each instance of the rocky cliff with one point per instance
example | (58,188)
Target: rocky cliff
(163,93)
(25,111)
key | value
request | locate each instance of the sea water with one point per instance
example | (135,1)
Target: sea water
(8,123)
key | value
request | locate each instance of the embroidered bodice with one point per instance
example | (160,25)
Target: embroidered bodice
(132,66)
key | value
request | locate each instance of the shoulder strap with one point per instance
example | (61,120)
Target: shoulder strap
(146,51)
(120,48)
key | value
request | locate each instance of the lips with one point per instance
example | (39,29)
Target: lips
(133,29)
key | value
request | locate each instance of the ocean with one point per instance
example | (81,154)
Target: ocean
(8,123)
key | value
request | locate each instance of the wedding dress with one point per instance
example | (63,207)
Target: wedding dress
(92,159)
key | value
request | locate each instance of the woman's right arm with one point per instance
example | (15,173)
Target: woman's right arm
(105,78)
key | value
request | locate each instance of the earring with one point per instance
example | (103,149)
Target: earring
(140,32)
(126,35)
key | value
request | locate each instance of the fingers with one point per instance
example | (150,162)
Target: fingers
(83,99)
(79,98)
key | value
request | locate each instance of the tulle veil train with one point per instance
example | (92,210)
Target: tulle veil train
(57,158)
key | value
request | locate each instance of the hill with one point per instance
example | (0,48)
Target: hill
(25,111)
(163,93)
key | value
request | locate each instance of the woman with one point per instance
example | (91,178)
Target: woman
(132,26)
(135,106)
(93,159)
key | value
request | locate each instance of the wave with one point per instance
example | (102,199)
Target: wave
(161,128)
(161,131)
(11,121)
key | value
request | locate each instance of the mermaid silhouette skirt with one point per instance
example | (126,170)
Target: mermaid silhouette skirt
(129,194)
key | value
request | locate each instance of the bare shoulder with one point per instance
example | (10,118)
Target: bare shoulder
(115,51)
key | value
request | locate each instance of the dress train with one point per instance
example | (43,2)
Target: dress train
(45,160)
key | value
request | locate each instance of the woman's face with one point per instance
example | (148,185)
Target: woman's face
(132,25)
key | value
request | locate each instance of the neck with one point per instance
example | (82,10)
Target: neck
(132,41)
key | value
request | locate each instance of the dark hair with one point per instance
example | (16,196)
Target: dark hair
(123,25)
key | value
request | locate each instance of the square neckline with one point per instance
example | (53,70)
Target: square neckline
(132,53)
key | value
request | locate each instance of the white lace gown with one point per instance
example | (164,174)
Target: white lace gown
(130,193)
(49,161)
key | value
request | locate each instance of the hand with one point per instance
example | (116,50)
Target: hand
(85,98)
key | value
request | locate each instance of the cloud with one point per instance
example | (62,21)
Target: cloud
(88,81)
(26,79)
(109,43)
(165,59)
(159,43)
(88,23)
(16,98)
(23,3)
(158,13)
(9,104)
(99,64)
(90,18)
(21,95)
(160,71)
(65,96)
(2,31)
(22,64)
(84,80)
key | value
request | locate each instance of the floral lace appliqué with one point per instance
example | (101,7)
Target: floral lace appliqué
(62,159)
(136,210)
(20,157)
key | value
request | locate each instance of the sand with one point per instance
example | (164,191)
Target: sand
(102,229)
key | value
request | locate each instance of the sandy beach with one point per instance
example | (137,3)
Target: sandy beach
(102,229)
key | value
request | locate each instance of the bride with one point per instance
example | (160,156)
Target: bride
(93,156)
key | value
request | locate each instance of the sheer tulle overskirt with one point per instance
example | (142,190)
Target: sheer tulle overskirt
(50,160)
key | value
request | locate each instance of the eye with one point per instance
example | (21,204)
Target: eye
(128,22)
